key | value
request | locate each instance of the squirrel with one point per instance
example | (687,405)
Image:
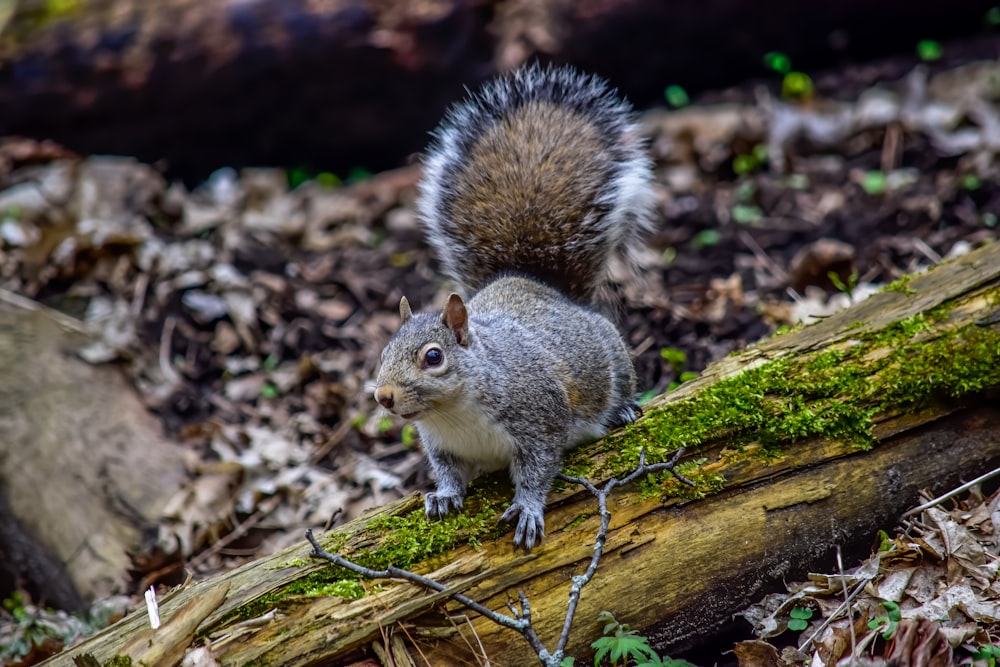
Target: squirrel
(530,187)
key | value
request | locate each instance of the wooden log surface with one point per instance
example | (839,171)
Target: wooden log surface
(85,470)
(673,568)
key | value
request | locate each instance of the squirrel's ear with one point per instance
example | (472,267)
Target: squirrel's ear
(404,310)
(456,318)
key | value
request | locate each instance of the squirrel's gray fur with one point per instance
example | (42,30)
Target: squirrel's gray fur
(529,189)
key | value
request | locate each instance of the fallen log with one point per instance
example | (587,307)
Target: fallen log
(807,441)
(340,84)
(85,469)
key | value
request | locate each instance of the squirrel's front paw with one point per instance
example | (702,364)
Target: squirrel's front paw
(438,505)
(530,528)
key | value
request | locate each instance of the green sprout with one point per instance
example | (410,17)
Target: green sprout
(777,62)
(408,435)
(800,618)
(874,182)
(988,654)
(797,86)
(706,238)
(887,624)
(674,357)
(328,179)
(846,288)
(622,645)
(746,163)
(928,50)
(970,182)
(358,174)
(297,177)
(747,214)
(676,96)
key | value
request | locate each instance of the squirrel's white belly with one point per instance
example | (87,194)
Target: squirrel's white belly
(470,435)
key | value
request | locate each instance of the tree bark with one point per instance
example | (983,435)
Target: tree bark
(674,569)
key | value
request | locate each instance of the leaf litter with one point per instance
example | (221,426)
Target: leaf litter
(928,595)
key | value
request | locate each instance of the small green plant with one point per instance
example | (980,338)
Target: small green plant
(748,163)
(384,424)
(777,62)
(797,86)
(297,177)
(874,182)
(622,645)
(269,390)
(800,618)
(993,16)
(794,85)
(929,50)
(647,396)
(674,357)
(27,626)
(358,174)
(746,214)
(970,182)
(686,376)
(706,238)
(988,654)
(885,542)
(408,435)
(887,624)
(676,96)
(12,213)
(990,219)
(328,179)
(846,288)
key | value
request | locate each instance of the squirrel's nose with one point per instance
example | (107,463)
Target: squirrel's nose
(385,397)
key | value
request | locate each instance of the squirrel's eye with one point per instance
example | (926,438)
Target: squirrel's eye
(433,357)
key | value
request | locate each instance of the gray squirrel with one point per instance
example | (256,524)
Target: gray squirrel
(530,187)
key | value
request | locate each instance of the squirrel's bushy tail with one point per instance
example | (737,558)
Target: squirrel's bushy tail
(541,173)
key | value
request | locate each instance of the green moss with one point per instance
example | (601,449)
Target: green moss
(901,285)
(118,661)
(577,521)
(834,395)
(349,589)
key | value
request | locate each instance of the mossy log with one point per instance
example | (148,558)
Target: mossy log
(807,441)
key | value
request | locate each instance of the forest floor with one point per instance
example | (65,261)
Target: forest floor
(250,311)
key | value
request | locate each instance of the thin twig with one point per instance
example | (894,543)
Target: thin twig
(836,613)
(521,623)
(950,494)
(580,581)
(850,620)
